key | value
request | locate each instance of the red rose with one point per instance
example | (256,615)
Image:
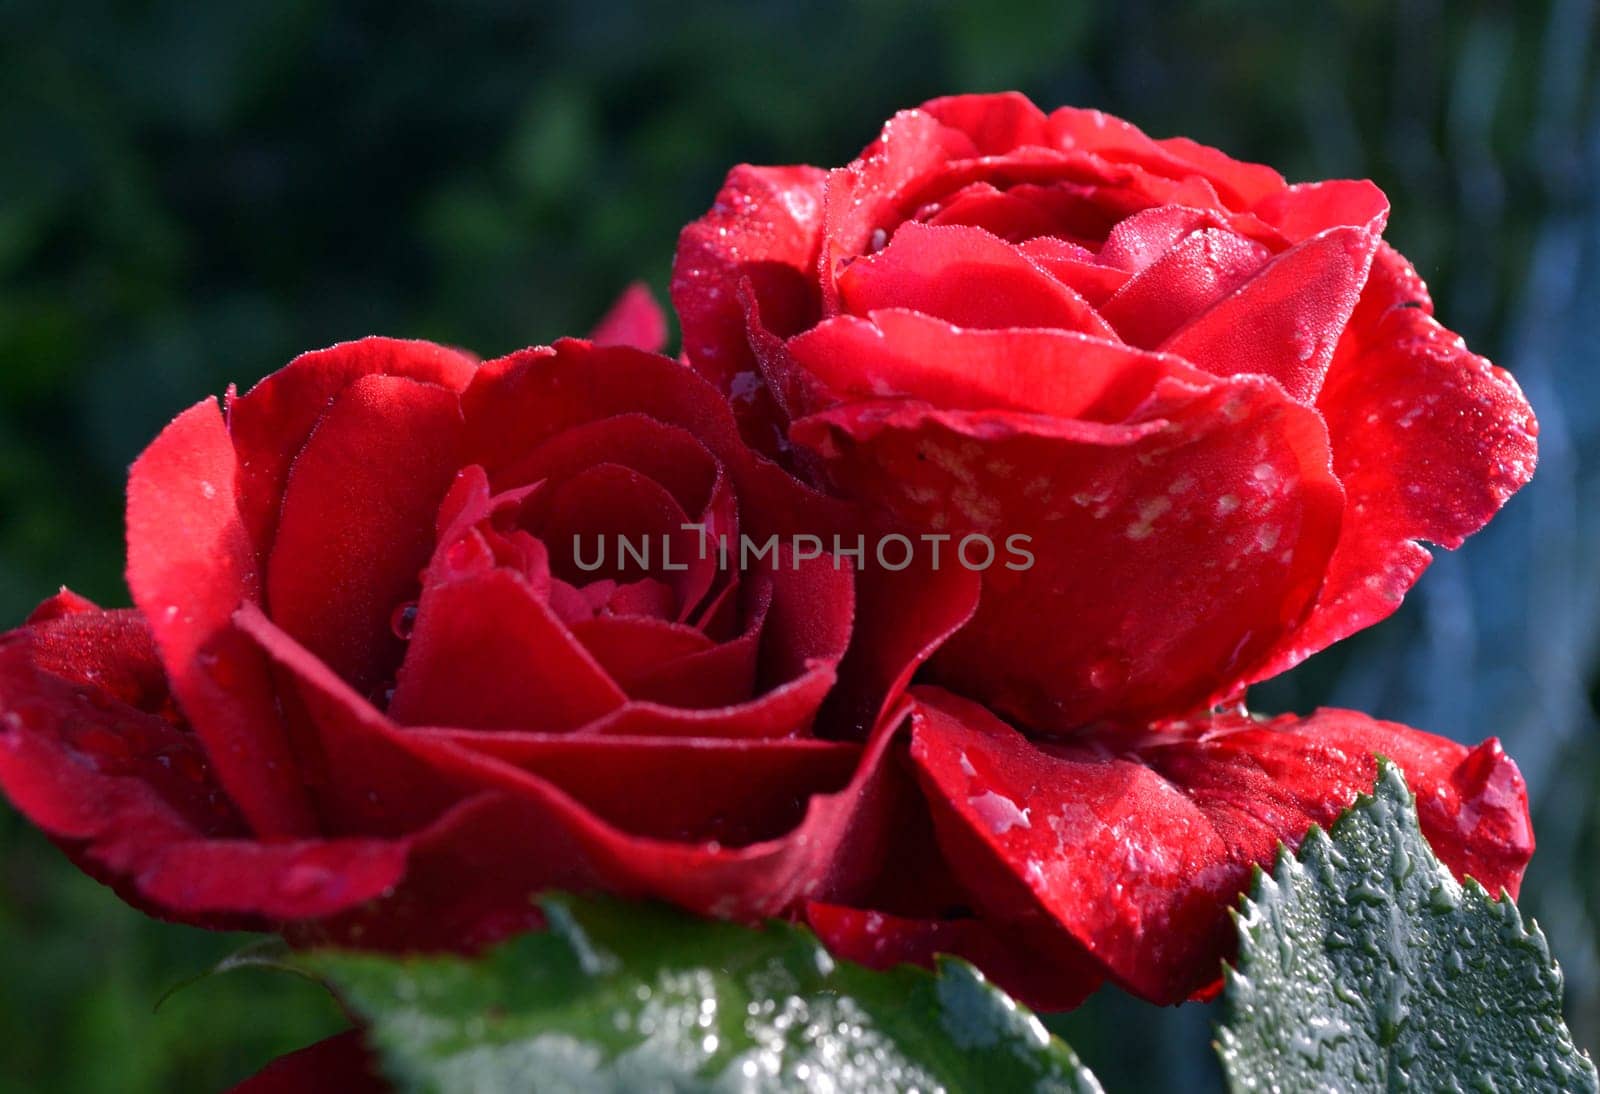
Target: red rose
(1170,369)
(374,689)
(1220,408)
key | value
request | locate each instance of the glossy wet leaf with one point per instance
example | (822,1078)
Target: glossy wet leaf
(1364,965)
(629,997)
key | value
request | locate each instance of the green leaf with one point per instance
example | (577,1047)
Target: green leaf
(1363,965)
(630,997)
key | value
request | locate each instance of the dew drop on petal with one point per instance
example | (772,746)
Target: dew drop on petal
(404,620)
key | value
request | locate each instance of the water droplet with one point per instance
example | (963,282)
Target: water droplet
(999,812)
(404,620)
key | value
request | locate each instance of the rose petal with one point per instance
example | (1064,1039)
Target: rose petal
(996,123)
(634,320)
(486,653)
(191,563)
(1310,208)
(518,402)
(1187,279)
(1062,374)
(689,789)
(763,230)
(521,833)
(965,276)
(271,421)
(657,661)
(1139,855)
(669,456)
(1429,439)
(1285,321)
(357,521)
(1075,267)
(1241,184)
(874,190)
(134,799)
(1226,500)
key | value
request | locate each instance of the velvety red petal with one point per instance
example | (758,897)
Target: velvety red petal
(965,276)
(368,781)
(836,847)
(357,521)
(1181,549)
(486,653)
(1139,853)
(66,602)
(669,456)
(1285,321)
(1310,208)
(812,614)
(784,711)
(1239,183)
(610,515)
(521,832)
(191,563)
(763,227)
(657,661)
(902,617)
(634,320)
(133,798)
(522,400)
(271,421)
(1188,278)
(1141,239)
(112,652)
(1044,981)
(1015,214)
(342,1064)
(997,123)
(1062,374)
(1247,183)
(1075,267)
(689,789)
(1429,439)
(872,192)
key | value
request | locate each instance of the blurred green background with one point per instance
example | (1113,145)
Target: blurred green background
(190,194)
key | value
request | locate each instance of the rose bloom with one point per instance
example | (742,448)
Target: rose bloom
(366,694)
(1222,410)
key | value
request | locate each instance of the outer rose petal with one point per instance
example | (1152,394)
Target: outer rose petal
(1138,855)
(190,564)
(1169,556)
(523,832)
(1429,440)
(634,320)
(132,797)
(342,1064)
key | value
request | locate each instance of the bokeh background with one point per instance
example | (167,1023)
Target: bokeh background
(190,194)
